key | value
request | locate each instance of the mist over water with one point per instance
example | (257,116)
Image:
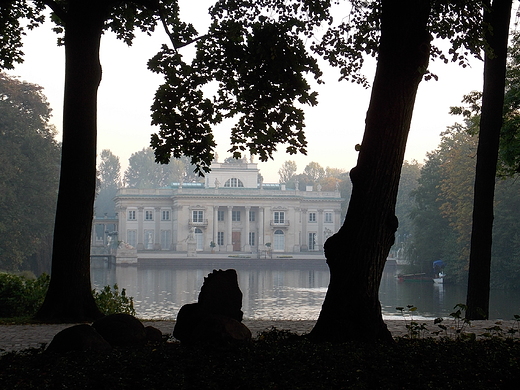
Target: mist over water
(280,292)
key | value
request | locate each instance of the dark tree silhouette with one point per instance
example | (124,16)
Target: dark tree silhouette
(361,246)
(398,32)
(496,18)
(69,297)
(269,46)
(256,54)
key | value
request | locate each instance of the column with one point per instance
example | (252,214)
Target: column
(215,224)
(305,238)
(260,227)
(229,232)
(178,226)
(295,229)
(157,235)
(320,229)
(247,246)
(93,236)
(122,216)
(140,231)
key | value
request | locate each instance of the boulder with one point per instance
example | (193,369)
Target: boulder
(153,335)
(121,329)
(78,338)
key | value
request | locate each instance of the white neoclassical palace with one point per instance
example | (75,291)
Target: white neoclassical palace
(232,211)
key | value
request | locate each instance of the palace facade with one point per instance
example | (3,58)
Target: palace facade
(233,211)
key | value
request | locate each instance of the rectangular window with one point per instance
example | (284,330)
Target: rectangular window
(166,239)
(279,217)
(235,216)
(220,238)
(198,216)
(131,237)
(148,215)
(252,216)
(131,215)
(220,215)
(328,217)
(312,241)
(165,215)
(252,238)
(312,217)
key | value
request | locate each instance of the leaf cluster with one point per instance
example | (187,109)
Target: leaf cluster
(253,62)
(13,15)
(257,62)
(21,296)
(461,23)
(346,44)
(509,151)
(112,301)
(254,56)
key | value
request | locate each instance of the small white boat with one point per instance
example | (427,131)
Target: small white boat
(440,278)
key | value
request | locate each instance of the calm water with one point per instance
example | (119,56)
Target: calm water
(280,292)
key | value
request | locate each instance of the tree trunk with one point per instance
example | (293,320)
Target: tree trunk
(357,253)
(69,298)
(487,155)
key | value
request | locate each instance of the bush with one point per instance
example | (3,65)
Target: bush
(21,296)
(111,301)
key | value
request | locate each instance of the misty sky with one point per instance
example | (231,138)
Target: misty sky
(333,128)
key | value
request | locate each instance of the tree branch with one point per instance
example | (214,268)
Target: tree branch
(176,45)
(56,8)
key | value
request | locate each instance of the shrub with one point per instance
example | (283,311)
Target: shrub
(111,301)
(21,296)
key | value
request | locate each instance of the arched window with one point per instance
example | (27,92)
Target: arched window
(234,182)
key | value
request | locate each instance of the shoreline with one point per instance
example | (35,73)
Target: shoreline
(20,337)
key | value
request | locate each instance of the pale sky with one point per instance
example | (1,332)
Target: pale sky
(333,128)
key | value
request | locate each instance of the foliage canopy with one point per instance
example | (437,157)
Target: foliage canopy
(29,166)
(256,58)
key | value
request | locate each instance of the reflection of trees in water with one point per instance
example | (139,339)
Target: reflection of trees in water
(282,293)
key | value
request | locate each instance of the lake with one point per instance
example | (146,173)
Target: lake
(279,289)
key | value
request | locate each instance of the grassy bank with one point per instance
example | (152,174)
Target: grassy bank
(275,360)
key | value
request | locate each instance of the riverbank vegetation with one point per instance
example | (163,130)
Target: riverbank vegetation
(275,360)
(29,175)
(22,295)
(440,212)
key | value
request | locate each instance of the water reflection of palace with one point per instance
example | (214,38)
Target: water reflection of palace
(233,211)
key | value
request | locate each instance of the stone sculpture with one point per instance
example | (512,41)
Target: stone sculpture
(217,315)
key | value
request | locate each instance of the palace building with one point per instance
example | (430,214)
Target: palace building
(233,211)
